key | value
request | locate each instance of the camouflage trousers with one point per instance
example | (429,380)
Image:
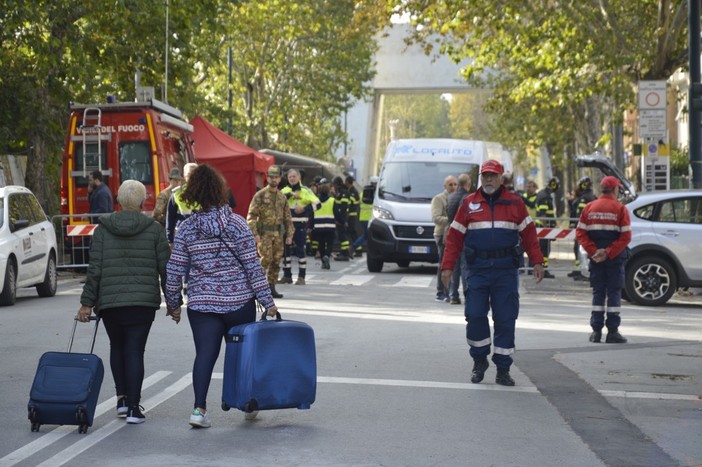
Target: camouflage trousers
(271,251)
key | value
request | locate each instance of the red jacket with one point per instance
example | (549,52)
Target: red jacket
(491,225)
(604,223)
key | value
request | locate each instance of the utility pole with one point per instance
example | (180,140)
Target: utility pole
(165,84)
(229,90)
(695,94)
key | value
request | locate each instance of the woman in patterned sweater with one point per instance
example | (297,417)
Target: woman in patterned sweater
(215,250)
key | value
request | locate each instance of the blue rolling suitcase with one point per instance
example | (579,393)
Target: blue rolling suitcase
(66,387)
(269,364)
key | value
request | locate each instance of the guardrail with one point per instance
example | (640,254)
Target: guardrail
(73,236)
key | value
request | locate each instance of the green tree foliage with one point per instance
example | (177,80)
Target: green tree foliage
(297,67)
(416,116)
(561,71)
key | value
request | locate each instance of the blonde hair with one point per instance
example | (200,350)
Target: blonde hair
(188,168)
(131,195)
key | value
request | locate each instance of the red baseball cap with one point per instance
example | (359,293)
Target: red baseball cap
(491,165)
(610,183)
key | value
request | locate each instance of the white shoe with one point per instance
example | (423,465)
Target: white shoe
(250,415)
(199,419)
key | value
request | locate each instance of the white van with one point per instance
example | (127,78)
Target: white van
(401,230)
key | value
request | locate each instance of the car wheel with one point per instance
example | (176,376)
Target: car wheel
(48,287)
(650,281)
(9,289)
(374,264)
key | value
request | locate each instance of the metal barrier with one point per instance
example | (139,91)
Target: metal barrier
(73,239)
(562,256)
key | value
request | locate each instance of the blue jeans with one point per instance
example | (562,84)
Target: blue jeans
(209,330)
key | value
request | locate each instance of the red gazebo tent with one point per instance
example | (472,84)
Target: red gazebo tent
(237,162)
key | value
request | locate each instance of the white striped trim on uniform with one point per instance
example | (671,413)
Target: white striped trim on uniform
(481,343)
(503,351)
(458,226)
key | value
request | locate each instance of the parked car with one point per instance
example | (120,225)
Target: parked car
(27,245)
(666,228)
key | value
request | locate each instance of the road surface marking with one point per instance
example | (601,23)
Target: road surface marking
(59,432)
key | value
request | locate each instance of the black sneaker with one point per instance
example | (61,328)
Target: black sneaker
(503,378)
(135,416)
(596,336)
(479,367)
(615,338)
(122,408)
(548,275)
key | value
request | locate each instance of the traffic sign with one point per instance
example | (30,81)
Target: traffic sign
(652,95)
(653,124)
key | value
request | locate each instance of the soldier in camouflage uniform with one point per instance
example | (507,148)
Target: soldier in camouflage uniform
(159,213)
(270,221)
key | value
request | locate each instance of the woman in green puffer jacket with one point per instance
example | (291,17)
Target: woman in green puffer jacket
(126,275)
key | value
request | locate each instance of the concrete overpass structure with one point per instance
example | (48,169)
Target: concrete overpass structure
(400,70)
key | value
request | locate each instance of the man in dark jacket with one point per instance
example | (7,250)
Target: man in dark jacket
(99,196)
(455,200)
(546,213)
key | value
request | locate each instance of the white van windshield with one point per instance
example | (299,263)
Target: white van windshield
(419,182)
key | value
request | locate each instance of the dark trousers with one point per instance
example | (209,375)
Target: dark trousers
(209,330)
(440,289)
(607,281)
(298,248)
(325,240)
(127,345)
(496,290)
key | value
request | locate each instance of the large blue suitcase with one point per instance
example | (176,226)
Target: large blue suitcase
(66,387)
(269,364)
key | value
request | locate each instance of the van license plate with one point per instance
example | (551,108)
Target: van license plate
(422,250)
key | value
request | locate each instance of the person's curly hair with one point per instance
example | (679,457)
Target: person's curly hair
(206,187)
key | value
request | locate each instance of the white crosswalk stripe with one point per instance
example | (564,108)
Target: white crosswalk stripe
(352,279)
(415,281)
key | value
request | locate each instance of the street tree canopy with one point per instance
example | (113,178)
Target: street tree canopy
(297,66)
(561,72)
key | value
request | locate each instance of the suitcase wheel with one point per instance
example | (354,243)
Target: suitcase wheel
(32,414)
(34,418)
(251,406)
(82,419)
(225,406)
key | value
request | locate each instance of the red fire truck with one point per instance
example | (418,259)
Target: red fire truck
(140,140)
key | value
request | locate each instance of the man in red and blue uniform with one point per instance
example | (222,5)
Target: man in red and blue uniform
(604,230)
(487,230)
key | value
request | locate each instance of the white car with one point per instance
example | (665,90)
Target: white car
(27,245)
(666,228)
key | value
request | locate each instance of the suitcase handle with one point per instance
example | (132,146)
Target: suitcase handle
(73,334)
(264,316)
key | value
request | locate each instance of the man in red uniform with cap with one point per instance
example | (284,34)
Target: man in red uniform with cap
(604,230)
(487,230)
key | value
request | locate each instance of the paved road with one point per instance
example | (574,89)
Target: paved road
(393,385)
